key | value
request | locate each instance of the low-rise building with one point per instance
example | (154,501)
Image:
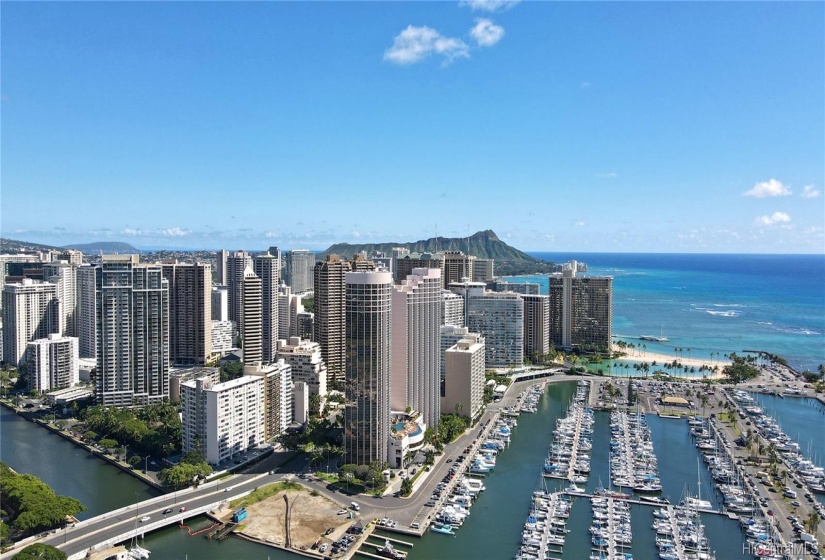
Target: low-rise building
(406,438)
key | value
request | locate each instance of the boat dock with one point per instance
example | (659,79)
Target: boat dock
(678,546)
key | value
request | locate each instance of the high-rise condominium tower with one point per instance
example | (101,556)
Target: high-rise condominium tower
(499,318)
(581,311)
(220,267)
(416,344)
(236,264)
(31,310)
(267,267)
(87,310)
(368,356)
(536,325)
(190,311)
(62,274)
(52,363)
(299,266)
(328,327)
(132,332)
(251,311)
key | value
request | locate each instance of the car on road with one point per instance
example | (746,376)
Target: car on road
(167,511)
(182,509)
(227,489)
(145,518)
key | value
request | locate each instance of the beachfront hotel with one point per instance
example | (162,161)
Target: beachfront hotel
(581,311)
(368,365)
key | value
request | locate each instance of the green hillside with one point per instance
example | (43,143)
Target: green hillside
(483,244)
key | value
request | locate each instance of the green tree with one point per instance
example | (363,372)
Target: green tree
(135,460)
(108,443)
(40,551)
(406,487)
(740,369)
(183,474)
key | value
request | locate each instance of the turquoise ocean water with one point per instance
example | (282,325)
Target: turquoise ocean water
(715,303)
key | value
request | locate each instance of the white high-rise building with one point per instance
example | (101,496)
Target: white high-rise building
(63,275)
(464,383)
(416,351)
(267,267)
(220,303)
(31,310)
(52,363)
(224,335)
(307,366)
(250,329)
(299,270)
(453,310)
(236,264)
(499,318)
(367,320)
(277,378)
(132,332)
(222,420)
(87,310)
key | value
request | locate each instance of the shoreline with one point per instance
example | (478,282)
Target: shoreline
(713,367)
(113,462)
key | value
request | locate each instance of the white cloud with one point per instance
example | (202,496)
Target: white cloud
(486,33)
(611,175)
(488,5)
(414,44)
(132,231)
(775,218)
(808,191)
(768,188)
(585,85)
(579,223)
(174,232)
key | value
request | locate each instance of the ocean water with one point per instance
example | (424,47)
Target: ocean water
(715,303)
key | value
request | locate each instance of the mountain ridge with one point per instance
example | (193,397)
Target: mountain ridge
(482,244)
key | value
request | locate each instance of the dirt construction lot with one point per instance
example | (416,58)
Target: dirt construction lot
(310,517)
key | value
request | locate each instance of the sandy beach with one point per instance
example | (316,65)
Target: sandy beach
(636,355)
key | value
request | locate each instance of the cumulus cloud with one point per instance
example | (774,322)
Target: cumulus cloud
(611,175)
(133,232)
(414,44)
(773,219)
(174,232)
(808,191)
(768,188)
(488,5)
(579,223)
(486,33)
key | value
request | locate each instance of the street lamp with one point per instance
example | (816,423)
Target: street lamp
(145,464)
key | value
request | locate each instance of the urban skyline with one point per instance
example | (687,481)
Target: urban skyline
(621,127)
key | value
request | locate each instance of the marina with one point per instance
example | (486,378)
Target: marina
(569,454)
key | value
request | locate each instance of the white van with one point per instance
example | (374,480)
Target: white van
(355,507)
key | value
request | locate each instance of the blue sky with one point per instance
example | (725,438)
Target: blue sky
(612,126)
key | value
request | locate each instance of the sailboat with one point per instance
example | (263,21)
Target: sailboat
(655,338)
(697,502)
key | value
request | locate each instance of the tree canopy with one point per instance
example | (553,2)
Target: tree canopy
(740,369)
(40,551)
(152,430)
(32,506)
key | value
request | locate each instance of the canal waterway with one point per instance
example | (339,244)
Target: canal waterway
(493,530)
(67,468)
